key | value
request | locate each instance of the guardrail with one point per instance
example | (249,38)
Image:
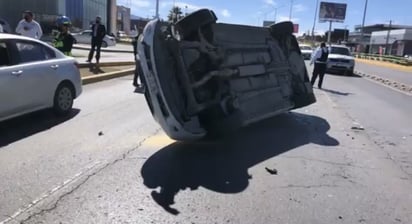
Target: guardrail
(386,58)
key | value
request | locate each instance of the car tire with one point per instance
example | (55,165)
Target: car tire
(281,29)
(104,44)
(63,99)
(190,24)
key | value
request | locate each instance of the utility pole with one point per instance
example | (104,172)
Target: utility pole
(387,38)
(157,9)
(363,23)
(330,33)
(314,21)
(291,8)
(276,14)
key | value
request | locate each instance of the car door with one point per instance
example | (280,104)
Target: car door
(34,74)
(9,91)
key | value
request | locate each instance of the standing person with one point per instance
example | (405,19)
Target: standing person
(64,40)
(28,26)
(98,33)
(1,29)
(320,58)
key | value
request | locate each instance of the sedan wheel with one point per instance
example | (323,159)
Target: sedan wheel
(63,100)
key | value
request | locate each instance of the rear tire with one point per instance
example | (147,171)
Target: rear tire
(104,44)
(281,29)
(63,99)
(189,25)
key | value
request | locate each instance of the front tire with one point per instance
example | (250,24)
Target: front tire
(63,99)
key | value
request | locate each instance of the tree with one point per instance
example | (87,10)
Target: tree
(175,14)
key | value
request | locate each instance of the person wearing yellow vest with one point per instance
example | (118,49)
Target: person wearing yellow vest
(64,40)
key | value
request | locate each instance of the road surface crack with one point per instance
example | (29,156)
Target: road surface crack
(81,183)
(310,186)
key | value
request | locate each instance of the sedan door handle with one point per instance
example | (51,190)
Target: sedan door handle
(54,66)
(17,73)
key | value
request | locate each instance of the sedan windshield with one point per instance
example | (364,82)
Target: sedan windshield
(340,50)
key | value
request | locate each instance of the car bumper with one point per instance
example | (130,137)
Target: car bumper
(156,94)
(339,67)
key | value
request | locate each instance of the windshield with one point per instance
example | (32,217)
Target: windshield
(305,48)
(340,50)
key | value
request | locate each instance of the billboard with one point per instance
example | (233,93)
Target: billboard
(331,11)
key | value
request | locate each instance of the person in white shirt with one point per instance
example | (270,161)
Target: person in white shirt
(320,58)
(29,27)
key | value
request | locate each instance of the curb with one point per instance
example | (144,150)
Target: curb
(108,64)
(395,85)
(104,50)
(107,76)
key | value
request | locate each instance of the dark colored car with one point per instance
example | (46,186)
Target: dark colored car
(207,78)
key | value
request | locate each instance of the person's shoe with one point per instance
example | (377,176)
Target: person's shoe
(320,87)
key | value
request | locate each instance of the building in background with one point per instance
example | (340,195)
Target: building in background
(123,19)
(399,42)
(138,23)
(84,12)
(45,12)
(355,37)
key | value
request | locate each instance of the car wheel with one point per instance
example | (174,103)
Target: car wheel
(104,44)
(63,99)
(74,41)
(190,24)
(281,29)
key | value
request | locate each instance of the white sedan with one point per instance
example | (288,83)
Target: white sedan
(35,76)
(85,37)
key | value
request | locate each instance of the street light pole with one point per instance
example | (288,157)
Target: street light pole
(314,21)
(363,23)
(291,8)
(157,9)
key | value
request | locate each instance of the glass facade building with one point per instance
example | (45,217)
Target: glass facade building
(45,11)
(84,12)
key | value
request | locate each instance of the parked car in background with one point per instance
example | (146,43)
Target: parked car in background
(35,76)
(340,60)
(212,78)
(85,37)
(306,50)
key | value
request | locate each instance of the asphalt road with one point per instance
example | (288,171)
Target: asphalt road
(110,163)
(404,77)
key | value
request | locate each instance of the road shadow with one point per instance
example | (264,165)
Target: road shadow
(343,75)
(222,166)
(336,92)
(22,127)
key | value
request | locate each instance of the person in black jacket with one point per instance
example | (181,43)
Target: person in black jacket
(98,33)
(64,40)
(320,58)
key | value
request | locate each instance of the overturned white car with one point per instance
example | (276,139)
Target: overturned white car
(204,77)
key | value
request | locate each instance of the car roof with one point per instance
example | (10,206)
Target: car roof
(4,36)
(17,37)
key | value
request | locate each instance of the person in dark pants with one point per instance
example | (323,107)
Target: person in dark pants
(138,70)
(320,58)
(98,33)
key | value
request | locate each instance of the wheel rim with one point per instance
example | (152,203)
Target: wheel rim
(65,98)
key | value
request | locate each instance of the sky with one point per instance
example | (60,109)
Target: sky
(253,12)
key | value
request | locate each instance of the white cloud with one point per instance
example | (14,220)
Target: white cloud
(136,3)
(182,5)
(299,8)
(270,2)
(226,13)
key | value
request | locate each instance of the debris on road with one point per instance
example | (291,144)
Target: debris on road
(272,171)
(101,133)
(360,128)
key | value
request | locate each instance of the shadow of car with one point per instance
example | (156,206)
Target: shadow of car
(85,37)
(222,166)
(22,127)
